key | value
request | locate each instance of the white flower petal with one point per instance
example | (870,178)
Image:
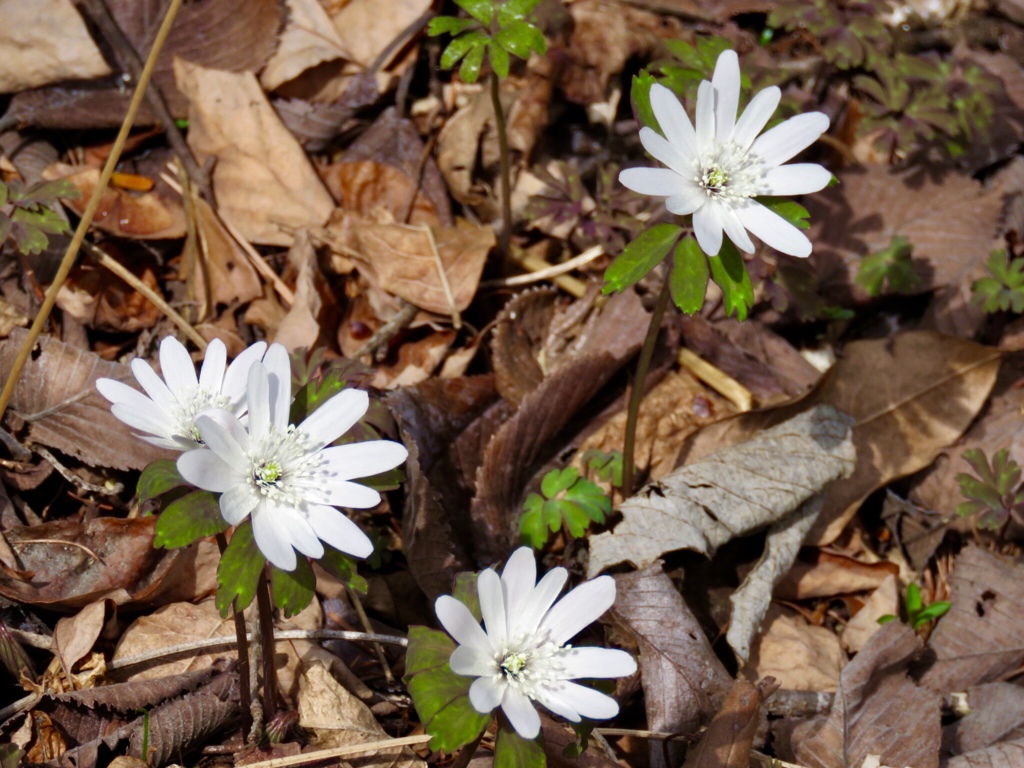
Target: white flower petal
(154,385)
(211,375)
(784,141)
(334,528)
(279,373)
(734,229)
(204,469)
(581,607)
(597,662)
(674,122)
(338,493)
(689,198)
(726,81)
(225,436)
(177,368)
(145,420)
(272,537)
(797,179)
(527,619)
(585,702)
(297,529)
(461,624)
(486,693)
(658,182)
(664,152)
(472,662)
(164,442)
(520,712)
(707,226)
(756,116)
(518,578)
(257,394)
(492,606)
(237,502)
(774,230)
(336,417)
(705,117)
(354,460)
(238,372)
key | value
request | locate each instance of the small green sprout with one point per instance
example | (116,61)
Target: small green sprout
(890,270)
(495,29)
(606,466)
(1004,290)
(918,614)
(568,497)
(28,214)
(995,494)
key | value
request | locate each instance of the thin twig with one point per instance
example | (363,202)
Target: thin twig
(378,649)
(64,542)
(107,261)
(352,749)
(445,285)
(90,210)
(534,263)
(717,379)
(546,273)
(264,602)
(384,334)
(74,479)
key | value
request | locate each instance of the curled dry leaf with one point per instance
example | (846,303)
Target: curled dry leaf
(733,492)
(1009,754)
(57,402)
(980,639)
(911,396)
(800,656)
(224,276)
(366,32)
(37,54)
(263,180)
(97,298)
(684,682)
(314,308)
(997,714)
(827,574)
(730,736)
(308,39)
(884,601)
(877,710)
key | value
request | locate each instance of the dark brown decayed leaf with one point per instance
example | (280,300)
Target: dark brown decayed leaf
(877,710)
(997,714)
(519,333)
(1009,754)
(73,564)
(557,737)
(950,223)
(435,529)
(982,636)
(56,396)
(911,396)
(730,736)
(684,682)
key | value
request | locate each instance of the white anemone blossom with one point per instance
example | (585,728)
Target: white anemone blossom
(167,416)
(521,655)
(289,478)
(716,170)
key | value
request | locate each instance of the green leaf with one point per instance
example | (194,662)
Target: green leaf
(913,601)
(158,478)
(465,592)
(481,10)
(440,696)
(558,480)
(470,69)
(934,611)
(606,466)
(640,257)
(515,10)
(891,268)
(384,481)
(582,729)
(452,25)
(343,568)
(521,37)
(498,57)
(729,271)
(292,590)
(194,516)
(462,45)
(314,394)
(792,212)
(239,571)
(4,193)
(887,618)
(688,279)
(27,238)
(640,99)
(513,751)
(533,525)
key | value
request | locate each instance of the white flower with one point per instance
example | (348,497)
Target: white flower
(715,171)
(285,476)
(168,415)
(523,655)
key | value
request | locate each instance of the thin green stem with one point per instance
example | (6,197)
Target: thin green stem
(636,396)
(264,602)
(505,237)
(242,638)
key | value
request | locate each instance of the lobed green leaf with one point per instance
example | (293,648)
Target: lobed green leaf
(293,590)
(688,279)
(239,571)
(513,751)
(640,257)
(158,478)
(729,271)
(194,516)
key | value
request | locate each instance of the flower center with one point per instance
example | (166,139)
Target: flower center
(190,405)
(282,465)
(528,662)
(266,474)
(730,174)
(513,665)
(714,179)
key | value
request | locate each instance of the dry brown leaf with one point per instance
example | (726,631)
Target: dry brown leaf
(224,267)
(97,298)
(314,308)
(884,601)
(44,42)
(56,399)
(911,395)
(997,714)
(828,574)
(407,261)
(263,179)
(417,360)
(982,637)
(1009,754)
(730,736)
(684,682)
(74,636)
(800,656)
(366,32)
(733,492)
(468,138)
(877,710)
(308,39)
